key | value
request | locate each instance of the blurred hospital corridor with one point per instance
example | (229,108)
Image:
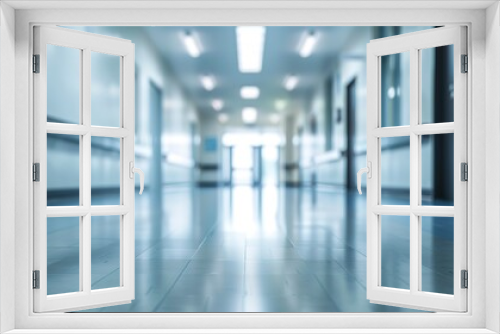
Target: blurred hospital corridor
(250,139)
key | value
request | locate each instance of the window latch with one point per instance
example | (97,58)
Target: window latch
(132,171)
(368,171)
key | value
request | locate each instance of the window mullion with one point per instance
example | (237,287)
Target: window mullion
(86,185)
(414,172)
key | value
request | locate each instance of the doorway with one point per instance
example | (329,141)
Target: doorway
(351,134)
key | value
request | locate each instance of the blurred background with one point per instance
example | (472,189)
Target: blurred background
(250,138)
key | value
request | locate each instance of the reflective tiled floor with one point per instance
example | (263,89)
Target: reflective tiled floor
(268,249)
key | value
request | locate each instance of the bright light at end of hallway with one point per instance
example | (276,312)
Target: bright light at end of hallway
(291,82)
(192,44)
(249,115)
(208,82)
(280,105)
(307,44)
(217,104)
(274,118)
(249,92)
(250,43)
(223,118)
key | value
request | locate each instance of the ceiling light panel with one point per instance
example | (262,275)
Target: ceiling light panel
(249,115)
(223,118)
(291,82)
(208,82)
(217,104)
(250,44)
(192,44)
(307,44)
(249,92)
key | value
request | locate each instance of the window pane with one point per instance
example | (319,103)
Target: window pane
(63,255)
(395,92)
(437,84)
(437,170)
(437,254)
(105,252)
(395,170)
(105,171)
(395,244)
(105,89)
(63,84)
(63,170)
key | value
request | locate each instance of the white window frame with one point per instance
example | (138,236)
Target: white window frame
(85,43)
(414,43)
(483,308)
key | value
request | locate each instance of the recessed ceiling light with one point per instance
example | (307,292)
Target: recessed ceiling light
(249,115)
(280,105)
(217,104)
(208,82)
(291,82)
(307,44)
(249,92)
(250,44)
(223,118)
(192,44)
(274,118)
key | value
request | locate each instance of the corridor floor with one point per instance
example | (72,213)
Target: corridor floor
(247,249)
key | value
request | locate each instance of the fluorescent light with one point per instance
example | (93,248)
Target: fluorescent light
(307,45)
(249,92)
(250,43)
(274,118)
(192,44)
(249,115)
(208,82)
(391,93)
(223,118)
(280,105)
(217,104)
(291,82)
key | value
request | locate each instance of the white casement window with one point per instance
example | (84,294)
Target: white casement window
(25,213)
(86,215)
(414,129)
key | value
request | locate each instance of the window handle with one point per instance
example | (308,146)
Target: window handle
(368,171)
(134,170)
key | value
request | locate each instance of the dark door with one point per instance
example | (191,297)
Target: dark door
(155,112)
(351,132)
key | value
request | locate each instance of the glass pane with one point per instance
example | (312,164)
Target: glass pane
(105,171)
(395,170)
(437,84)
(63,84)
(395,244)
(105,89)
(437,169)
(63,170)
(105,256)
(63,255)
(395,81)
(437,254)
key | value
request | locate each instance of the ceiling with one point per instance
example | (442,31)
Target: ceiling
(281,58)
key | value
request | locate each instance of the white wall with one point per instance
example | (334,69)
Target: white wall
(7,167)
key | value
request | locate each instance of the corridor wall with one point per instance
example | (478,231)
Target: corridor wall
(179,118)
